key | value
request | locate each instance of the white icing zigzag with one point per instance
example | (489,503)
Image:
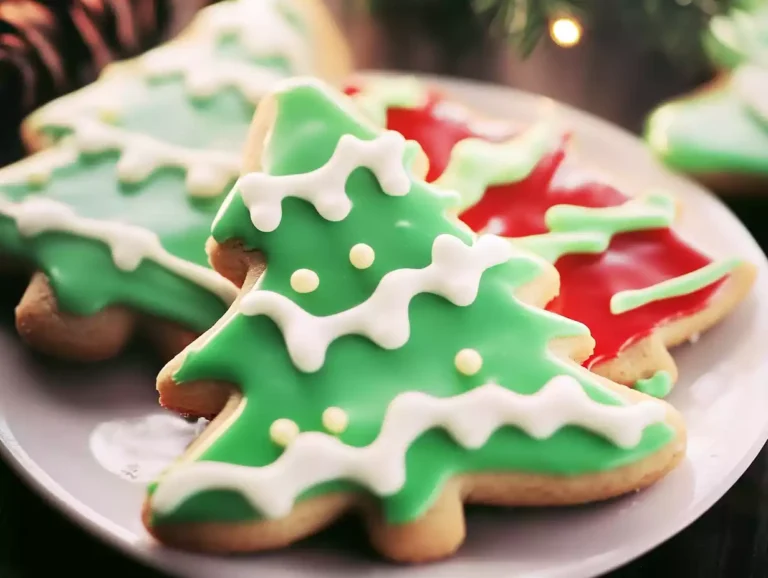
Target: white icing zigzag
(129,244)
(470,418)
(325,187)
(37,167)
(206,75)
(208,172)
(260,26)
(454,274)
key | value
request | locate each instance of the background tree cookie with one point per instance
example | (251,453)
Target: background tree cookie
(400,380)
(719,133)
(112,213)
(624,271)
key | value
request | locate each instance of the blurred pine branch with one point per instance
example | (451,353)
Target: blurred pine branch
(672,28)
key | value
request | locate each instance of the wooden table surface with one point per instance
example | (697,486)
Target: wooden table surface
(604,75)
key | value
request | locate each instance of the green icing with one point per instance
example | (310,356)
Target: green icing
(359,376)
(659,385)
(552,246)
(155,106)
(738,36)
(576,229)
(90,187)
(381,94)
(713,132)
(653,211)
(717,131)
(168,113)
(162,106)
(477,164)
(683,285)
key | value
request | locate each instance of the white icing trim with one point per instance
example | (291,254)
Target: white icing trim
(454,274)
(470,419)
(260,27)
(39,164)
(89,100)
(205,75)
(258,24)
(207,172)
(129,244)
(325,187)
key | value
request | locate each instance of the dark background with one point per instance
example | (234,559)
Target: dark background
(611,74)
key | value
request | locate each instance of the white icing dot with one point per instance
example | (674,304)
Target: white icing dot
(468,361)
(362,256)
(335,420)
(454,274)
(283,431)
(304,281)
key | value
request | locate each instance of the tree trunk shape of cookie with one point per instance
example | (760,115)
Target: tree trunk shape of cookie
(383,350)
(606,246)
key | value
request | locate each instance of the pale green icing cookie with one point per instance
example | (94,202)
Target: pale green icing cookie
(189,92)
(99,245)
(722,130)
(118,210)
(714,132)
(739,36)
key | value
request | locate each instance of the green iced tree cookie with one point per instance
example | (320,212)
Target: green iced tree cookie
(383,352)
(723,129)
(137,164)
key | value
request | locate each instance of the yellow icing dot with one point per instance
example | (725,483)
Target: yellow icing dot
(362,256)
(38,178)
(109,115)
(283,431)
(468,361)
(335,420)
(304,281)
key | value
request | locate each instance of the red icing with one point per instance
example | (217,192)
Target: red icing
(436,133)
(587,282)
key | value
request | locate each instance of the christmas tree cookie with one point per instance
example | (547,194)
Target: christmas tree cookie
(112,212)
(719,134)
(200,89)
(383,361)
(624,271)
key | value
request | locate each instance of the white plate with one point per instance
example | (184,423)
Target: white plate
(723,393)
